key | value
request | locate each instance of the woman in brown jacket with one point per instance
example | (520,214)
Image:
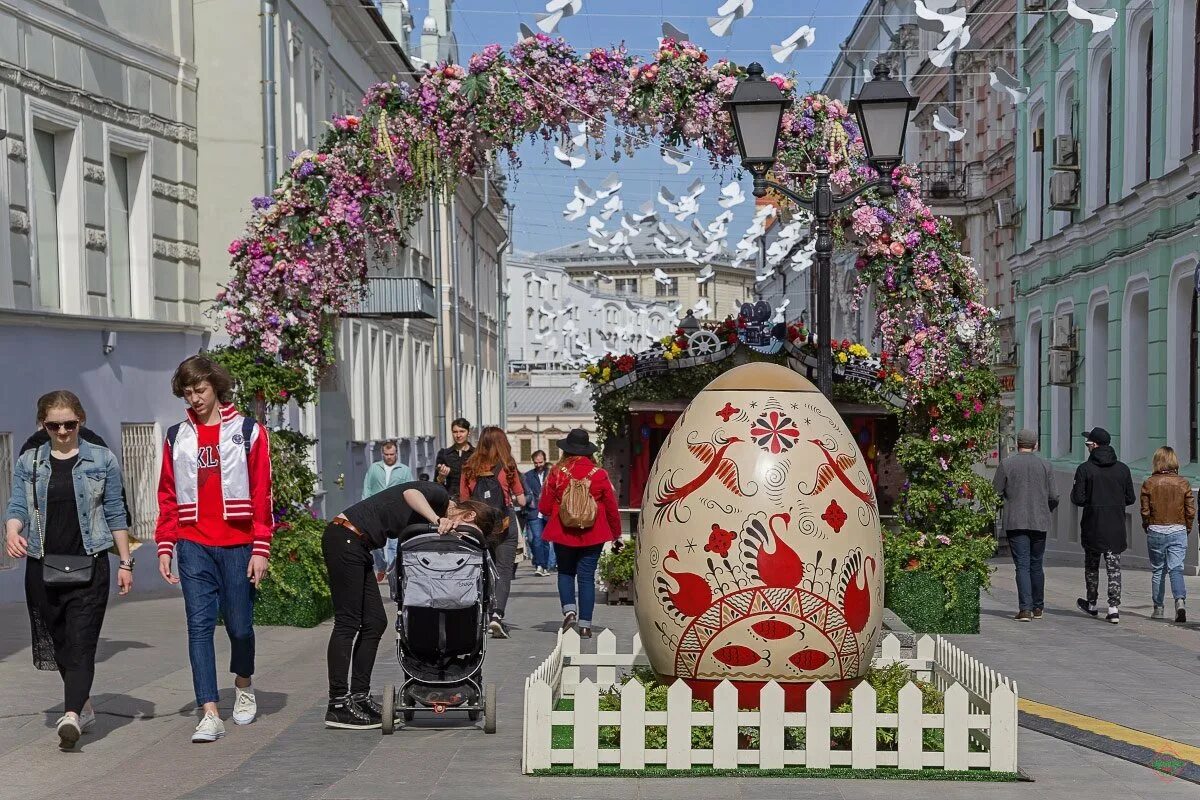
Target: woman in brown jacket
(1168,510)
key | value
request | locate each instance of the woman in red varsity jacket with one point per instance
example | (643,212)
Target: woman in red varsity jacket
(215,518)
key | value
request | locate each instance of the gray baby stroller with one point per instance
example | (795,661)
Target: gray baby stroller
(443,588)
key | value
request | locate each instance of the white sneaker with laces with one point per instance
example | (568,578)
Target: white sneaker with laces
(68,731)
(245,707)
(209,730)
(87,718)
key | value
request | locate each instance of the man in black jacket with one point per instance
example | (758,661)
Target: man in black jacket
(1103,488)
(86,434)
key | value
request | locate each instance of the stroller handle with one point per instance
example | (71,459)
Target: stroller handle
(422,528)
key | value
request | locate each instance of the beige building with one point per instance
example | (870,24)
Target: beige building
(544,410)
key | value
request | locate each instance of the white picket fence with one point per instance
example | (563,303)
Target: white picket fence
(980,706)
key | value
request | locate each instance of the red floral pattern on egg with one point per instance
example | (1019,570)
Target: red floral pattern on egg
(807,660)
(719,541)
(736,655)
(835,516)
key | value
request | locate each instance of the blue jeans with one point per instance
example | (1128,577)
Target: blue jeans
(578,563)
(385,555)
(1166,555)
(542,553)
(214,580)
(1027,549)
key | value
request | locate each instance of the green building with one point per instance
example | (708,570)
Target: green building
(1108,169)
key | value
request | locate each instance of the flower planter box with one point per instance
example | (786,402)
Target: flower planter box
(978,724)
(620,593)
(919,599)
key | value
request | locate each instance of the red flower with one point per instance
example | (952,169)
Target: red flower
(719,541)
(835,516)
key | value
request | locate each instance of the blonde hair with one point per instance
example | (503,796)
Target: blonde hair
(60,398)
(1165,460)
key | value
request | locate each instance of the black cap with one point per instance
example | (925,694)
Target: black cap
(577,443)
(1097,436)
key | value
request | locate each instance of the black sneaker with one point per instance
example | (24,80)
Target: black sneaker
(343,713)
(1181,615)
(367,704)
(1114,617)
(1085,608)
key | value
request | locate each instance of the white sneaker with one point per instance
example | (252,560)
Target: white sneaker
(68,731)
(539,571)
(245,708)
(209,730)
(87,718)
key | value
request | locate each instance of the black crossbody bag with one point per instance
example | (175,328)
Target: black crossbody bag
(57,570)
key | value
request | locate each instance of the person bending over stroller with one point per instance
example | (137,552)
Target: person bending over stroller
(359,618)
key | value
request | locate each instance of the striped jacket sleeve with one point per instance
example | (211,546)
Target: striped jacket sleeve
(167,531)
(260,493)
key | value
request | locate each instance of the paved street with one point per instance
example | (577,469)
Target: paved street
(1142,674)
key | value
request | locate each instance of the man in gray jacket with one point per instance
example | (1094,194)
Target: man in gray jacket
(1025,483)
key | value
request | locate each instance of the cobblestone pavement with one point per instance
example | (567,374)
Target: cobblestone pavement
(1142,674)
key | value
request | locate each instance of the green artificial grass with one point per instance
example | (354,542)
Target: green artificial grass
(880,773)
(919,599)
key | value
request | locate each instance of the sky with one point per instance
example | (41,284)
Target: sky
(542,186)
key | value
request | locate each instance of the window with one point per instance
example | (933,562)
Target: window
(668,289)
(45,178)
(1149,102)
(1095,365)
(626,286)
(6,469)
(554,454)
(1135,370)
(1108,134)
(1181,360)
(526,449)
(1032,378)
(1036,179)
(703,289)
(1139,92)
(141,447)
(120,279)
(1061,400)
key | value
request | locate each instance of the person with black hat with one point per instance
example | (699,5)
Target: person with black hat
(581,513)
(1103,488)
(1025,483)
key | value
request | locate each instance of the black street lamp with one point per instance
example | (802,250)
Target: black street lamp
(882,107)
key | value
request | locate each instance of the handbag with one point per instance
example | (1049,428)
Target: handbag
(57,570)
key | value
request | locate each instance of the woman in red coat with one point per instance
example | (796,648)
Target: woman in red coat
(578,549)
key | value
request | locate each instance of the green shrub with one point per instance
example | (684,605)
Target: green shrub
(295,590)
(617,568)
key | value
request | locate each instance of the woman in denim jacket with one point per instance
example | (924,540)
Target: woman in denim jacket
(66,500)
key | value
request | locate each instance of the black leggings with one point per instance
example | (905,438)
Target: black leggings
(358,616)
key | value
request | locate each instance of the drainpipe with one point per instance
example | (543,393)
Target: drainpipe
(487,184)
(502,318)
(439,335)
(456,279)
(267,27)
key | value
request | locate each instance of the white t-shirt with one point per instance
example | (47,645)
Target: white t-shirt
(387,474)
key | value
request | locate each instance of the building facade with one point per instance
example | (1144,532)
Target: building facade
(542,409)
(99,260)
(1106,307)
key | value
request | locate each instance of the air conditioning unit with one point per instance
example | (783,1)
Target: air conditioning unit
(1006,212)
(1039,139)
(1062,334)
(1066,152)
(1064,191)
(1035,5)
(1062,367)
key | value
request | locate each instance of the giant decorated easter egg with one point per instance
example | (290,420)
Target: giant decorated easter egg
(759,551)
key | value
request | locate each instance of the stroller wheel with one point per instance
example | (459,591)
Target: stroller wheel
(489,708)
(389,710)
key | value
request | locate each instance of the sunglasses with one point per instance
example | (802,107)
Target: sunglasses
(68,426)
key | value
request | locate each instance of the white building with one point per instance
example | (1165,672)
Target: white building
(99,261)
(415,357)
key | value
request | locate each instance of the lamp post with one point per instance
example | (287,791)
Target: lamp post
(882,107)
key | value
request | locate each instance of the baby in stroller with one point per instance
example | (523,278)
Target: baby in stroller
(444,590)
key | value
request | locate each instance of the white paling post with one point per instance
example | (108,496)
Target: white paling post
(587,726)
(606,645)
(891,648)
(725,727)
(570,674)
(955,737)
(770,726)
(540,702)
(679,726)
(816,730)
(1002,730)
(926,648)
(639,650)
(863,707)
(633,725)
(910,733)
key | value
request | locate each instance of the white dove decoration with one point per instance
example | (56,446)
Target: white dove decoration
(525,32)
(611,184)
(701,309)
(629,255)
(933,11)
(600,276)
(731,195)
(727,14)
(802,37)
(584,192)
(630,226)
(1001,79)
(950,44)
(705,275)
(601,246)
(574,162)
(681,167)
(613,205)
(557,10)
(574,210)
(662,277)
(595,225)
(645,213)
(947,123)
(1100,20)
(669,31)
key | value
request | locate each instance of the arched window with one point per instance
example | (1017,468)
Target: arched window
(1135,369)
(1182,364)
(1064,125)
(1061,400)
(1032,374)
(1139,92)
(1095,364)
(1036,182)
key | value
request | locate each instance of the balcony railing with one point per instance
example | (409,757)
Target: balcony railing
(398,298)
(951,181)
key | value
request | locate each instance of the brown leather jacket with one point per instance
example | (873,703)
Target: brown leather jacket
(1167,499)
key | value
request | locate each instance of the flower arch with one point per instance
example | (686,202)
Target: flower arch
(302,259)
